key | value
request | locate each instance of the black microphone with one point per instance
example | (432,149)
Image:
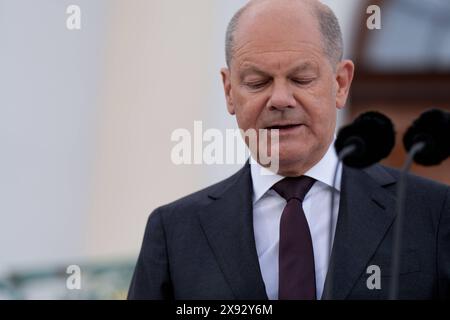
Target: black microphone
(433,129)
(428,143)
(371,137)
(367,140)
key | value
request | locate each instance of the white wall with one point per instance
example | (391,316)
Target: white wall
(48,112)
(158,79)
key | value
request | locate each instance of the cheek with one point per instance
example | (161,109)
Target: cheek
(326,126)
(324,118)
(322,112)
(248,109)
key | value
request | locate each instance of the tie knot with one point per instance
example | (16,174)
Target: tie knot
(294,187)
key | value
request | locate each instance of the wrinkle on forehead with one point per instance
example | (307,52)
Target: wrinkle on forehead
(253,52)
(252,46)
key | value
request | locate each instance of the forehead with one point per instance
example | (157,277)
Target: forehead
(300,56)
(277,34)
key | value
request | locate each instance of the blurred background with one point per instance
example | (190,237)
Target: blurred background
(86,118)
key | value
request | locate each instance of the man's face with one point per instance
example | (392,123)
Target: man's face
(280,78)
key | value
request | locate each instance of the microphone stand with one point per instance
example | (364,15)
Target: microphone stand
(401,190)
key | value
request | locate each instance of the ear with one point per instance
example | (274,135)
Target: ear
(226,80)
(344,77)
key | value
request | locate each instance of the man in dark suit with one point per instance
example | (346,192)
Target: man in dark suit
(255,236)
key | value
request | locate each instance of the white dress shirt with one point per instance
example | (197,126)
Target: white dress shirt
(268,207)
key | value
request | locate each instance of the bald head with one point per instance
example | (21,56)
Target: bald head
(327,24)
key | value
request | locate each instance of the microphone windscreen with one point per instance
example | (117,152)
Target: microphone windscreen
(433,128)
(373,135)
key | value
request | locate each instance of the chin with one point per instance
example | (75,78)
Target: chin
(295,160)
(293,152)
(291,159)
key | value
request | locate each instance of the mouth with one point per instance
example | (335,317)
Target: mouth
(286,130)
(285,127)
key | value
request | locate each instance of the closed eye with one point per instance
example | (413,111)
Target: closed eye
(256,85)
(303,82)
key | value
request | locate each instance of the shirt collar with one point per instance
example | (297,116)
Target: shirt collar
(263,179)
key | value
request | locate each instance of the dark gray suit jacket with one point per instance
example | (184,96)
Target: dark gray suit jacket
(202,246)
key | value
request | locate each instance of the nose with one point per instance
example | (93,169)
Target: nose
(282,97)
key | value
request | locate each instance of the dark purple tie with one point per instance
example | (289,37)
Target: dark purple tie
(297,278)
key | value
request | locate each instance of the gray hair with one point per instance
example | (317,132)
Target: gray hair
(328,23)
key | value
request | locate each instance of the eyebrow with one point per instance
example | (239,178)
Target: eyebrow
(305,66)
(252,70)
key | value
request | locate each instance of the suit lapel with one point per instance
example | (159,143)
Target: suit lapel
(366,212)
(228,226)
